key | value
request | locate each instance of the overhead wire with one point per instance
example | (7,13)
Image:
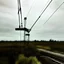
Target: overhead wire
(53,13)
(40,15)
(45,8)
(45,5)
(30,8)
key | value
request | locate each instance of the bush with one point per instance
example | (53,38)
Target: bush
(27,60)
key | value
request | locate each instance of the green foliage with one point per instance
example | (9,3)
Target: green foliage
(27,60)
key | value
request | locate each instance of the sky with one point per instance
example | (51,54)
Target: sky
(53,29)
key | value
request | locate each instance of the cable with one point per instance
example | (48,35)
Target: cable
(54,12)
(45,5)
(30,8)
(40,15)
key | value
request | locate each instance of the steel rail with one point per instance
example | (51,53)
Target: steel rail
(57,56)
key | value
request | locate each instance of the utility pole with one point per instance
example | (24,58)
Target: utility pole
(25,18)
(21,28)
(28,36)
(20,14)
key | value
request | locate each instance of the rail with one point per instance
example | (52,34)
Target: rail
(59,57)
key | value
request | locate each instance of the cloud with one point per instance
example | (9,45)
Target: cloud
(8,3)
(52,29)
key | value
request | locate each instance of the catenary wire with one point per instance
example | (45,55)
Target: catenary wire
(40,15)
(53,13)
(30,8)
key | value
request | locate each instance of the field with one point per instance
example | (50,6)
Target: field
(57,46)
(9,50)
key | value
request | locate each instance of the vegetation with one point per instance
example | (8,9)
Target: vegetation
(49,45)
(27,60)
(27,50)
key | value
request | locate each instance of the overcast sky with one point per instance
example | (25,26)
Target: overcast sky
(53,29)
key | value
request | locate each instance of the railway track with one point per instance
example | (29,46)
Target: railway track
(46,57)
(49,60)
(51,57)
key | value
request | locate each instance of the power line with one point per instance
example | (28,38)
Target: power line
(40,15)
(30,8)
(46,8)
(45,4)
(54,12)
